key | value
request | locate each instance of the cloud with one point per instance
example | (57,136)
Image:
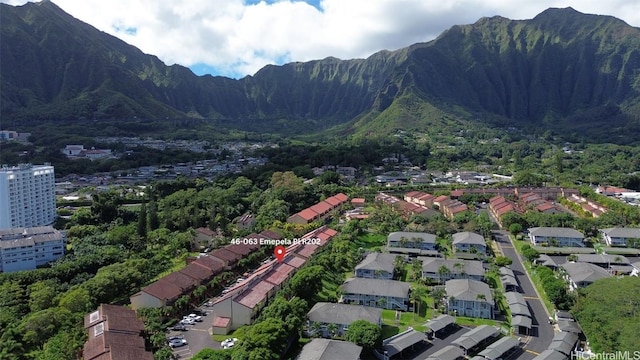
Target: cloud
(237,38)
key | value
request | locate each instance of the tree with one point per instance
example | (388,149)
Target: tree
(398,265)
(267,338)
(443,273)
(332,329)
(142,221)
(515,229)
(307,282)
(415,297)
(365,334)
(503,261)
(212,354)
(609,313)
(416,269)
(76,300)
(530,253)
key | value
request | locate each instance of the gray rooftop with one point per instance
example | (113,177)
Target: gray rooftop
(564,342)
(412,237)
(509,280)
(420,252)
(500,347)
(377,287)
(603,259)
(448,352)
(378,261)
(514,298)
(440,322)
(523,321)
(630,233)
(558,232)
(16,243)
(507,271)
(326,349)
(560,314)
(468,289)
(331,313)
(569,326)
(585,272)
(519,309)
(546,260)
(397,343)
(467,237)
(550,355)
(470,267)
(475,336)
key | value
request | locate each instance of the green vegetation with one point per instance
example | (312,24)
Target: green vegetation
(365,334)
(609,313)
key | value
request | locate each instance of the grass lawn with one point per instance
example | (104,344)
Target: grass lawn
(468,321)
(328,292)
(392,326)
(370,241)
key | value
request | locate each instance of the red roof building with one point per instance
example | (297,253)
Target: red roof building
(114,333)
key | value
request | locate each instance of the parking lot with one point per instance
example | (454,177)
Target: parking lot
(197,336)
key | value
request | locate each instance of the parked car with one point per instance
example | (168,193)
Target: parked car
(196,318)
(187,321)
(176,341)
(179,327)
(228,343)
(199,312)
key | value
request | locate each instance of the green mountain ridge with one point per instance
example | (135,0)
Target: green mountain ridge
(560,67)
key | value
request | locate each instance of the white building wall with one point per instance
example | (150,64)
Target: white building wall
(27,196)
(27,248)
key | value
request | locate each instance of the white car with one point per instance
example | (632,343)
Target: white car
(228,343)
(187,321)
(194,317)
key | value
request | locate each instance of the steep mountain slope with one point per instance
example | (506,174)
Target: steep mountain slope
(560,65)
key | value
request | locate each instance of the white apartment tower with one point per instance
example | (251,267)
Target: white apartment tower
(27,196)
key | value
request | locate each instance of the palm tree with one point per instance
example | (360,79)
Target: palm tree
(382,302)
(316,329)
(332,329)
(443,271)
(398,264)
(415,297)
(403,241)
(459,267)
(438,293)
(416,269)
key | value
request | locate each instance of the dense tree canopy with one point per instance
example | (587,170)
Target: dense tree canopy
(609,313)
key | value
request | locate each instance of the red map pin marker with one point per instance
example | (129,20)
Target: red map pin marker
(279,252)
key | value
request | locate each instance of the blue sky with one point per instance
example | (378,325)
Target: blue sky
(236,38)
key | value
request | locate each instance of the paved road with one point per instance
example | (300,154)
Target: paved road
(197,337)
(542,332)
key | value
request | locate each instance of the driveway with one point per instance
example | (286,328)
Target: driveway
(197,337)
(542,332)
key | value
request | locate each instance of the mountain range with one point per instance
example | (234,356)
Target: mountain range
(562,66)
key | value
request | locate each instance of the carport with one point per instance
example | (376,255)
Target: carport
(476,338)
(448,352)
(500,349)
(397,344)
(521,324)
(440,325)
